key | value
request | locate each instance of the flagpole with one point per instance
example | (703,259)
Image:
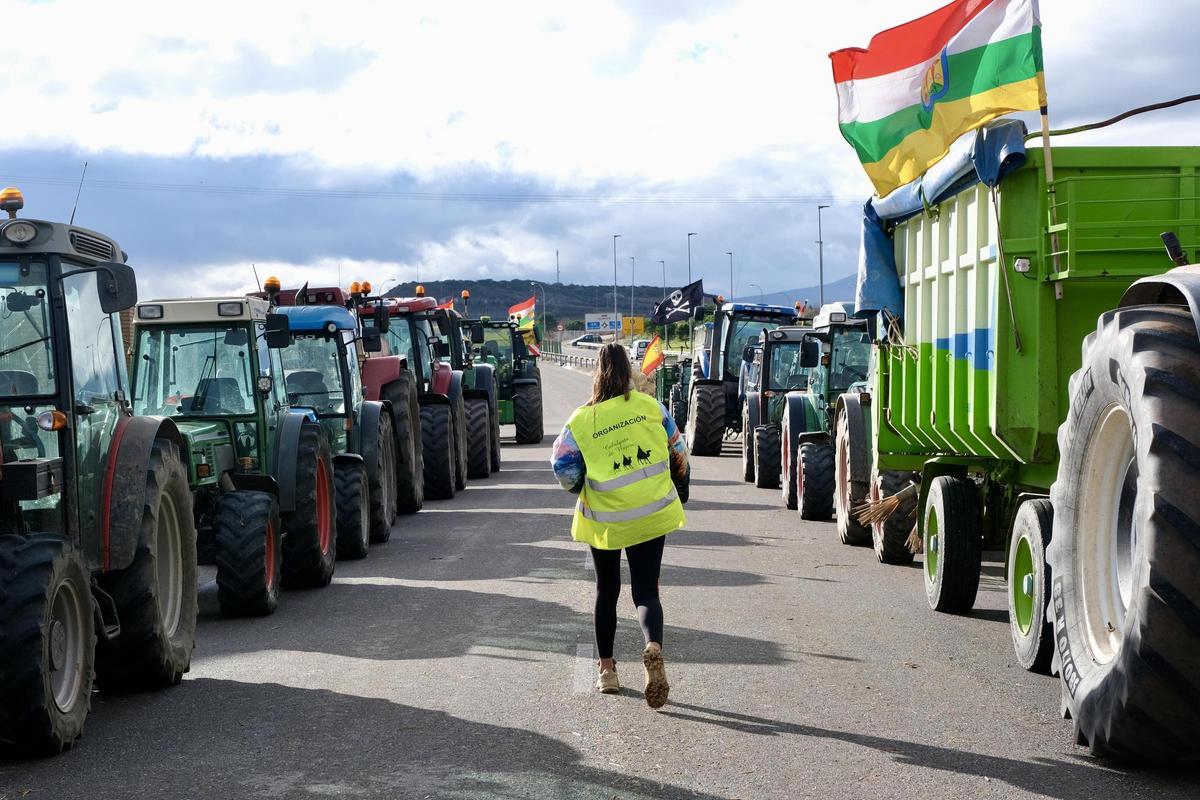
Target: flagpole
(1048,158)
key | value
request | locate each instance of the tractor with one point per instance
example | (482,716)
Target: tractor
(97,543)
(261,475)
(774,376)
(480,395)
(322,373)
(384,380)
(411,334)
(715,397)
(503,344)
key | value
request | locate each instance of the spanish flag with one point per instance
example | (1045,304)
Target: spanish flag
(449,304)
(654,356)
(919,86)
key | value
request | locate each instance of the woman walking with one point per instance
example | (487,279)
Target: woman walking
(622,454)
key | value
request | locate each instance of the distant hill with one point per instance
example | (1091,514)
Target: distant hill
(572,301)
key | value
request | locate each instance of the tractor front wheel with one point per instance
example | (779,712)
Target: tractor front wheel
(249,538)
(527,413)
(706,419)
(479,445)
(766,456)
(849,494)
(406,413)
(814,492)
(383,485)
(309,543)
(437,448)
(352,493)
(48,641)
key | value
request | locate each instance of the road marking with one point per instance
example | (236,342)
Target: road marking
(585,667)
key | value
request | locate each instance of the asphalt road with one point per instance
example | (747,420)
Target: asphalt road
(456,661)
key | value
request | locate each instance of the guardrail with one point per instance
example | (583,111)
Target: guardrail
(569,360)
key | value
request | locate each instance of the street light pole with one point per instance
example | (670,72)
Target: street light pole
(689,238)
(535,286)
(632,273)
(557,277)
(820,258)
(615,237)
(730,254)
(761,297)
(664,266)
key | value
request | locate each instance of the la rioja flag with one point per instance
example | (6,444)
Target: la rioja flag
(524,313)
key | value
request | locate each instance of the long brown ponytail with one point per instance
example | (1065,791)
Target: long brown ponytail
(613,374)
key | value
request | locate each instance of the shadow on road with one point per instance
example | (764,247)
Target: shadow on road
(392,622)
(1081,779)
(269,740)
(713,505)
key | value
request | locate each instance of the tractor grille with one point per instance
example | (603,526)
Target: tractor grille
(91,246)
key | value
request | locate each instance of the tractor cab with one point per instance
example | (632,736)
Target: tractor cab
(842,361)
(512,351)
(321,370)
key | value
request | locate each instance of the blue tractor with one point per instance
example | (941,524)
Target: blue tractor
(716,392)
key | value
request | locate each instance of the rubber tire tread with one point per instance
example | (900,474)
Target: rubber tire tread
(1035,651)
(352,496)
(790,445)
(890,537)
(438,451)
(479,440)
(242,521)
(848,494)
(706,419)
(816,468)
(31,569)
(143,656)
(527,413)
(766,456)
(460,443)
(305,565)
(383,498)
(955,502)
(1144,705)
(406,414)
(494,427)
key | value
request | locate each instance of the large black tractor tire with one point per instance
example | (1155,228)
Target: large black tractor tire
(748,465)
(382,485)
(406,414)
(479,439)
(814,493)
(48,642)
(438,449)
(310,530)
(766,456)
(1127,628)
(1029,586)
(706,419)
(248,536)
(848,494)
(679,413)
(155,596)
(890,537)
(460,444)
(952,544)
(789,454)
(527,413)
(352,495)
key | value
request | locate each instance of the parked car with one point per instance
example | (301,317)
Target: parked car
(587,338)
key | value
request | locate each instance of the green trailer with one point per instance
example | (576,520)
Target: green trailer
(1050,409)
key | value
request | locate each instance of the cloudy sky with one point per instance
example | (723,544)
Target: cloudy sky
(475,139)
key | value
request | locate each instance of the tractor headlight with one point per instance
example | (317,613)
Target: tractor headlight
(229,309)
(20,232)
(265,384)
(150,312)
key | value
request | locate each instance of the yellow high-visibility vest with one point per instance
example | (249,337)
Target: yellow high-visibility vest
(628,496)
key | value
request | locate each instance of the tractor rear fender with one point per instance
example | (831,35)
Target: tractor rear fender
(287,447)
(485,381)
(802,418)
(379,371)
(856,420)
(456,386)
(1179,287)
(347,458)
(124,489)
(368,434)
(753,412)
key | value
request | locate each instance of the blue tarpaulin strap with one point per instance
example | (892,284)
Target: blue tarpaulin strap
(983,156)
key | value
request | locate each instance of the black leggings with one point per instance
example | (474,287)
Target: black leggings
(645,559)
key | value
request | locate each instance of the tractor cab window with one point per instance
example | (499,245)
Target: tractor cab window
(849,357)
(785,373)
(497,347)
(201,371)
(312,369)
(742,334)
(400,340)
(26,347)
(94,352)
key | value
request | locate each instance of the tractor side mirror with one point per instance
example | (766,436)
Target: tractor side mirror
(372,340)
(19,301)
(117,287)
(748,355)
(278,331)
(810,353)
(382,320)
(477,334)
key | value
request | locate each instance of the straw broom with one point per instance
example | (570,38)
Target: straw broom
(878,511)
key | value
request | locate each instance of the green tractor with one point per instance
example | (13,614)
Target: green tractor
(481,394)
(261,475)
(503,345)
(774,376)
(97,544)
